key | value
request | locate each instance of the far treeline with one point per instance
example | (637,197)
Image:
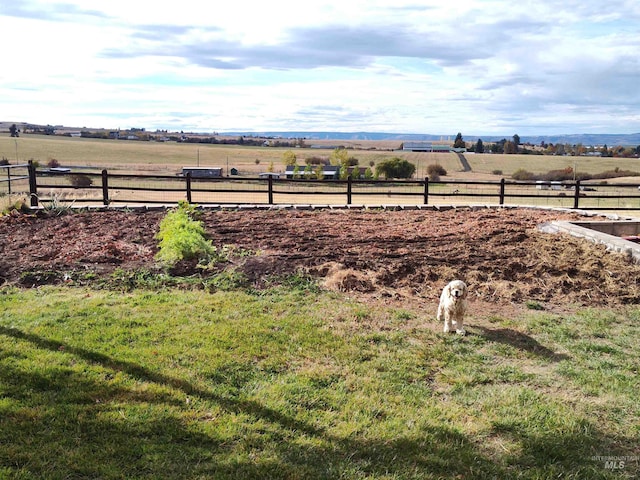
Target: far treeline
(514,146)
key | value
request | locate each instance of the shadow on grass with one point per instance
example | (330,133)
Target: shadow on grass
(51,426)
(519,341)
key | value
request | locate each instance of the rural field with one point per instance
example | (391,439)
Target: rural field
(172,156)
(90,156)
(305,345)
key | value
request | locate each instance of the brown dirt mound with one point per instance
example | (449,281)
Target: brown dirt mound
(393,254)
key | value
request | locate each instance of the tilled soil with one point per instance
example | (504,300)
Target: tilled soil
(406,255)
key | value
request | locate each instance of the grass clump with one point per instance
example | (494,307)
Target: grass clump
(182,237)
(12,207)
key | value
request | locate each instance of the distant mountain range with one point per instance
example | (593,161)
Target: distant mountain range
(631,139)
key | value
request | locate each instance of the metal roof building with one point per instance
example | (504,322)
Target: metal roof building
(425,147)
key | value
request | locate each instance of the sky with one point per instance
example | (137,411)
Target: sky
(479,67)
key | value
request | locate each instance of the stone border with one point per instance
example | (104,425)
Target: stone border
(613,243)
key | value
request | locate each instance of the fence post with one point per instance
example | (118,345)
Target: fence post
(426,190)
(33,185)
(349,190)
(270,189)
(502,191)
(105,188)
(9,179)
(188,177)
(576,195)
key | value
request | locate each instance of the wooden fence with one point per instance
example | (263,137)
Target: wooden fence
(104,188)
(12,177)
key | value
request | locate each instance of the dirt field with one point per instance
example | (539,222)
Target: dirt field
(402,257)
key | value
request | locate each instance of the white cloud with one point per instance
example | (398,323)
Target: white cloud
(476,66)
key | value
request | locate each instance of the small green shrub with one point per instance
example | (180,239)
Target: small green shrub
(435,169)
(522,174)
(533,305)
(395,168)
(81,181)
(181,237)
(19,206)
(226,281)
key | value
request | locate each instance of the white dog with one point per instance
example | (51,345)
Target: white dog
(453,305)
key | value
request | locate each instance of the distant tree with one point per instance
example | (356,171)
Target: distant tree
(340,157)
(638,150)
(289,158)
(395,168)
(479,146)
(459,142)
(498,147)
(308,172)
(516,140)
(510,147)
(14,131)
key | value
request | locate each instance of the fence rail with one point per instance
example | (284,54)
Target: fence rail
(12,176)
(106,188)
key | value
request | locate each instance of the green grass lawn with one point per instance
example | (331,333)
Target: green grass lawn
(299,383)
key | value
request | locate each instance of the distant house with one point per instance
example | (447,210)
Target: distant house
(329,172)
(202,172)
(425,147)
(326,147)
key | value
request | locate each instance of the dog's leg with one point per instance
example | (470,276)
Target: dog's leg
(447,323)
(442,315)
(459,326)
